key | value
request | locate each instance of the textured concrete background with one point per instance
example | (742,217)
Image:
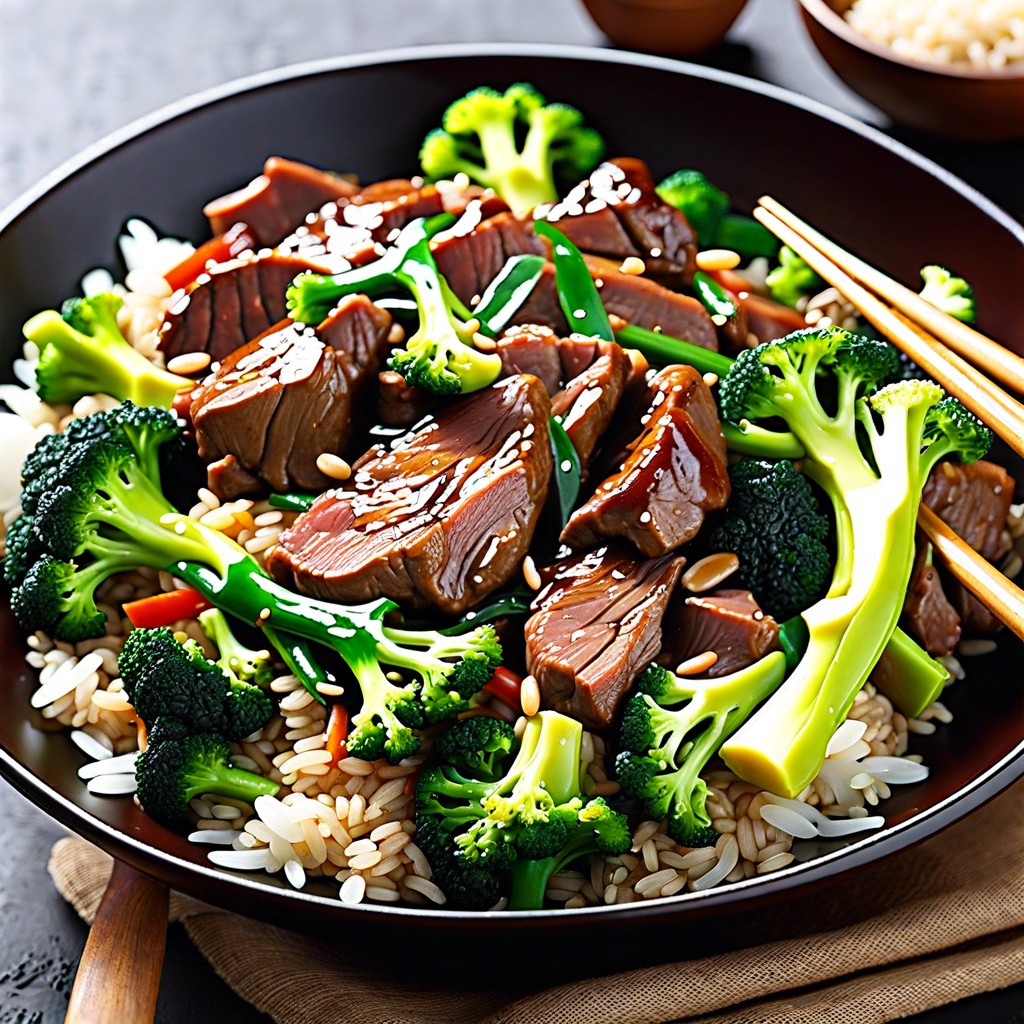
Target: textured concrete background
(73,70)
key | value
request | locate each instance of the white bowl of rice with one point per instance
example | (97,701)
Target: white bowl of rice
(950,67)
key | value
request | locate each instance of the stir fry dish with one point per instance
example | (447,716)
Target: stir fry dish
(524,534)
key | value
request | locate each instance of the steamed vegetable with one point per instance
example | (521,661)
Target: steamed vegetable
(480,137)
(951,294)
(792,279)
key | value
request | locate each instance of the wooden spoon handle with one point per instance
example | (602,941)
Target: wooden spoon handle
(119,975)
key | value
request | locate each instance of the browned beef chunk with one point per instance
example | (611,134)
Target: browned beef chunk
(400,404)
(279,199)
(974,500)
(359,329)
(532,348)
(231,305)
(596,625)
(589,400)
(674,474)
(927,612)
(442,517)
(469,261)
(617,213)
(269,410)
(728,622)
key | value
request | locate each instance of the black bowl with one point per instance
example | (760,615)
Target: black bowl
(367,115)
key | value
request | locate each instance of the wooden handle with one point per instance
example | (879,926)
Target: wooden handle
(119,973)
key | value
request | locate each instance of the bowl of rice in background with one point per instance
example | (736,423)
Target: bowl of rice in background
(953,68)
(70,223)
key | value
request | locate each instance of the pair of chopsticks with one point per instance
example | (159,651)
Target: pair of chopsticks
(938,343)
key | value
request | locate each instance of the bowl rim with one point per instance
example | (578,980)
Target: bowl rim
(800,876)
(831,21)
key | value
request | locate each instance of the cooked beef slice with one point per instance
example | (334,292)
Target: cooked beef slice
(728,622)
(617,213)
(400,404)
(230,305)
(359,329)
(596,625)
(441,518)
(270,409)
(589,400)
(974,501)
(675,473)
(532,348)
(927,613)
(278,200)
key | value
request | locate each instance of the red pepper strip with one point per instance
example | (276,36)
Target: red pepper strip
(165,609)
(505,685)
(337,731)
(220,249)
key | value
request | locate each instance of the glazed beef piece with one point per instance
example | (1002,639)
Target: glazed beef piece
(674,474)
(359,329)
(400,404)
(617,213)
(588,402)
(441,518)
(974,500)
(232,304)
(532,348)
(279,199)
(269,410)
(728,622)
(927,612)
(596,625)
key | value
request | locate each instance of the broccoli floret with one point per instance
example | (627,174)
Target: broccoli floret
(172,771)
(440,356)
(593,828)
(492,823)
(704,205)
(775,526)
(103,513)
(476,745)
(82,352)
(166,679)
(241,663)
(792,279)
(871,451)
(665,748)
(21,548)
(951,294)
(480,136)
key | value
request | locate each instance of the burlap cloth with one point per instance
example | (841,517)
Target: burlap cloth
(952,926)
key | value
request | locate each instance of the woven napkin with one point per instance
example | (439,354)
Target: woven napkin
(951,925)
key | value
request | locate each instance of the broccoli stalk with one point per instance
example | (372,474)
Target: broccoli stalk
(241,663)
(665,748)
(82,352)
(440,357)
(103,514)
(478,138)
(172,771)
(951,294)
(908,426)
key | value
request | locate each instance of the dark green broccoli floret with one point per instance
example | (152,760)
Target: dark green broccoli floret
(775,526)
(241,663)
(439,356)
(792,279)
(951,294)
(172,771)
(871,451)
(82,352)
(665,747)
(103,512)
(480,137)
(22,548)
(477,745)
(166,679)
(529,812)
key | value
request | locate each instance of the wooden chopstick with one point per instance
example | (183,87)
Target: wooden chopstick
(999,362)
(984,398)
(1001,597)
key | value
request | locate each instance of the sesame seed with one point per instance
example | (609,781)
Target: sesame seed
(711,379)
(529,696)
(633,265)
(698,663)
(530,574)
(189,363)
(717,259)
(333,466)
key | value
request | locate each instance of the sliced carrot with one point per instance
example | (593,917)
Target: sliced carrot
(165,609)
(337,731)
(505,685)
(217,250)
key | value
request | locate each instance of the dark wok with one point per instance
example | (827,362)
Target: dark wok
(368,115)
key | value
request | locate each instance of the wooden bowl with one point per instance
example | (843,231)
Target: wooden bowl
(679,28)
(949,100)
